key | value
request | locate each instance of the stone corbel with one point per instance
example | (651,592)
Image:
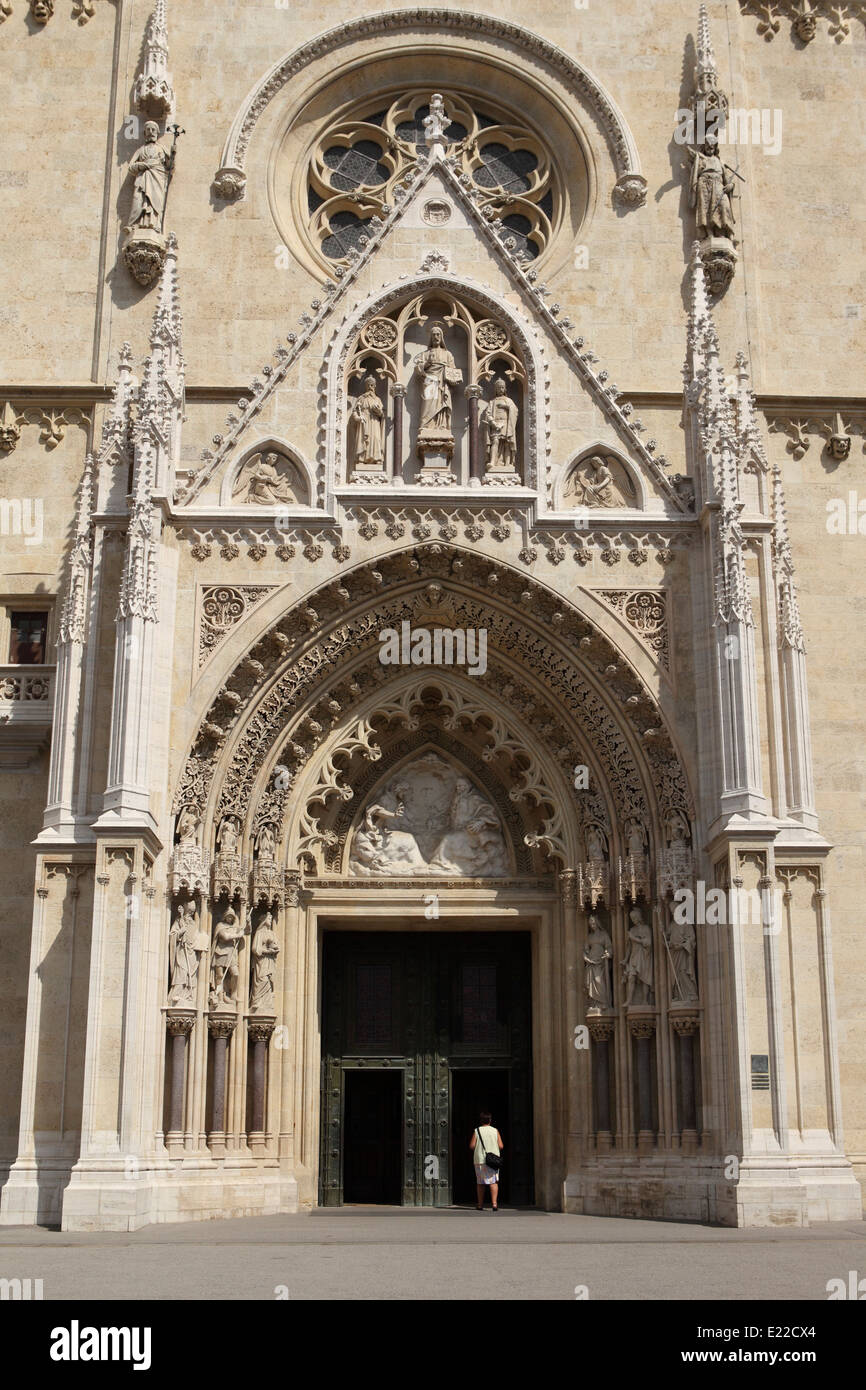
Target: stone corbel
(594,882)
(190,866)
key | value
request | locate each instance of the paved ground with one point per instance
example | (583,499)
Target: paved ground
(390,1253)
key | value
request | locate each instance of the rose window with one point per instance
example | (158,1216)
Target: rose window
(356,164)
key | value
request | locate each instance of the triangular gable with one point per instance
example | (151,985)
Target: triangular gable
(617,411)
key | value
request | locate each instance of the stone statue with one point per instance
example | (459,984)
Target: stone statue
(681,943)
(185,943)
(637,967)
(265,949)
(710,191)
(597,956)
(267,844)
(635,837)
(367,424)
(500,420)
(594,843)
(436,121)
(150,168)
(435,366)
(430,820)
(261,484)
(224,960)
(229,836)
(595,483)
(188,823)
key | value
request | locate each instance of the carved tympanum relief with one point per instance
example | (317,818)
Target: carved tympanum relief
(456,385)
(357,163)
(599,480)
(429,821)
(270,479)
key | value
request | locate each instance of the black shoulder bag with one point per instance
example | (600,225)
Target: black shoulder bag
(493,1161)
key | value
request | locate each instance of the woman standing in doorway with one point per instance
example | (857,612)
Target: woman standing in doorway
(486,1142)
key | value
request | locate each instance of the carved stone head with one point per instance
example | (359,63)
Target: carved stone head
(151,132)
(499,387)
(10,431)
(839,446)
(42,10)
(370,384)
(437,337)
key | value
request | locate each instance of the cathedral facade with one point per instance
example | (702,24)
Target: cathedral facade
(429,452)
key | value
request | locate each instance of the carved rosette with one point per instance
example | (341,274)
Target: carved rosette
(190,866)
(230,183)
(630,190)
(230,877)
(179,1022)
(601,1028)
(633,878)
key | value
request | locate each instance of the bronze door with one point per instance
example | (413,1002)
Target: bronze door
(449,1014)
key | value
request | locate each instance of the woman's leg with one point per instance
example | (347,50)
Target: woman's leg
(480,1187)
(494,1194)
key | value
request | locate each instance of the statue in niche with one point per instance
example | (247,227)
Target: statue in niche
(367,425)
(430,820)
(224,972)
(500,420)
(594,843)
(267,844)
(682,944)
(594,483)
(261,483)
(597,957)
(149,167)
(438,373)
(185,944)
(265,949)
(710,191)
(229,836)
(637,967)
(635,839)
(188,823)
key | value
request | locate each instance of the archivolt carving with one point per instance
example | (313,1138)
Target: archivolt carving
(338,655)
(231,177)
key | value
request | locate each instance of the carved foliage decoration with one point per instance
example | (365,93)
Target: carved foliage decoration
(646,611)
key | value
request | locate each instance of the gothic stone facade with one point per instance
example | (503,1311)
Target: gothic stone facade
(414,251)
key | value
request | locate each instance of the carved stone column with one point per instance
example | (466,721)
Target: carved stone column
(179,1024)
(476,462)
(398,393)
(221,1026)
(293,972)
(601,1031)
(642,1026)
(686,1026)
(260,1030)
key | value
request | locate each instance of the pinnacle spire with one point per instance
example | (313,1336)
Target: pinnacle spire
(153,92)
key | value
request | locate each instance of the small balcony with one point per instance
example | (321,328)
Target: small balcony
(26,714)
